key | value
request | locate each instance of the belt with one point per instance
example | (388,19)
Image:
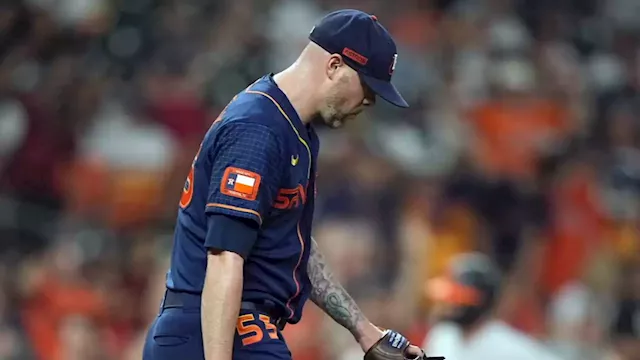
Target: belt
(177,299)
(277,319)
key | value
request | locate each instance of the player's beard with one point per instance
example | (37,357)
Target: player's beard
(335,120)
(335,123)
(333,117)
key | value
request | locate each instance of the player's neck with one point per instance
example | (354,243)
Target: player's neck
(293,84)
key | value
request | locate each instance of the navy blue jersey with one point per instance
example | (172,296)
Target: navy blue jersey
(256,162)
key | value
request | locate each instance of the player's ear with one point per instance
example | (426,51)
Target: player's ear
(333,66)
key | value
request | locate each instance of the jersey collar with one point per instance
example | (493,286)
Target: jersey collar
(285,104)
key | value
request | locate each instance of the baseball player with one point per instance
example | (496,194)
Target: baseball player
(243,262)
(466,328)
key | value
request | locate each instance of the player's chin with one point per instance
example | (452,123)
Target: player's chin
(334,123)
(338,123)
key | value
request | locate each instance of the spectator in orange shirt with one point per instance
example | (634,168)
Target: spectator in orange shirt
(516,127)
(54,294)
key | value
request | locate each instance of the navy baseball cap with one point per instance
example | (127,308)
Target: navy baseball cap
(365,45)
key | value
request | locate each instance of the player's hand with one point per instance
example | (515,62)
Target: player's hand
(394,346)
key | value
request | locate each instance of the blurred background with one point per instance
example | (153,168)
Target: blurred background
(522,142)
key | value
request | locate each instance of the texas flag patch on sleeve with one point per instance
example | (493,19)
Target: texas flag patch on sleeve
(240,183)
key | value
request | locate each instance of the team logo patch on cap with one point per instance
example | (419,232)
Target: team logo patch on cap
(240,183)
(392,68)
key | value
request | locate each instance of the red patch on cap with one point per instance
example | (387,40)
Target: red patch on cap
(375,18)
(360,59)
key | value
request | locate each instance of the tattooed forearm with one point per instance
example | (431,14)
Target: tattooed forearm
(331,297)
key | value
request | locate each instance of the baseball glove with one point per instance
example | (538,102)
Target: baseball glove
(393,346)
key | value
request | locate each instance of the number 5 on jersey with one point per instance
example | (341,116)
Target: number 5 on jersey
(247,326)
(187,190)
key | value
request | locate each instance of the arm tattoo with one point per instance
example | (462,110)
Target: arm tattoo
(330,296)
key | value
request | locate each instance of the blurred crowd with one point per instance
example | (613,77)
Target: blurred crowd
(522,141)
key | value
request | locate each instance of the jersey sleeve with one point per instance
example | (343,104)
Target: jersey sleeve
(246,171)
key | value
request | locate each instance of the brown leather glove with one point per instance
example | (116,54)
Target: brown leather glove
(393,346)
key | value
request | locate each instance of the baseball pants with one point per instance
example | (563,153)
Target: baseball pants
(176,333)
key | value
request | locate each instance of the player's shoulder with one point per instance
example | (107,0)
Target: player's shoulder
(256,106)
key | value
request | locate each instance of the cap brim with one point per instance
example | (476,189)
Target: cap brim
(385,90)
